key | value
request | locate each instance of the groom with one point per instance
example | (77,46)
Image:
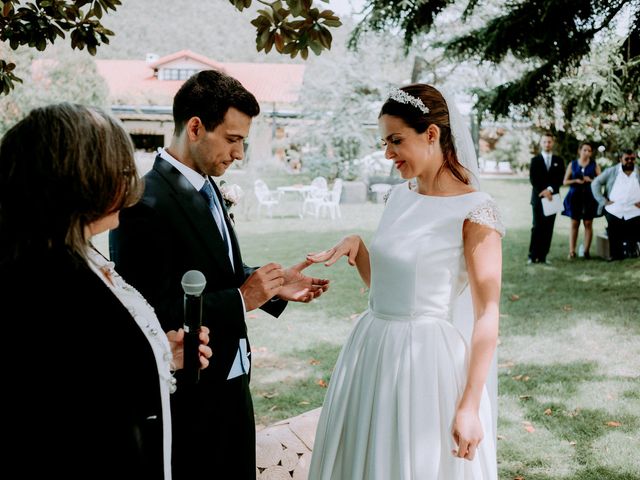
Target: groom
(181,224)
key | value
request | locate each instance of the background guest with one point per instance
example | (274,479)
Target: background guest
(579,203)
(617,191)
(545,174)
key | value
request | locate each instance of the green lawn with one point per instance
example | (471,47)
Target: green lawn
(569,354)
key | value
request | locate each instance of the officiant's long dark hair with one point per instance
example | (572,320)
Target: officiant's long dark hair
(438,115)
(62,167)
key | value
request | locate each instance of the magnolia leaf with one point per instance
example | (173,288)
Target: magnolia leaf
(269,43)
(279,42)
(266,14)
(295,24)
(315,46)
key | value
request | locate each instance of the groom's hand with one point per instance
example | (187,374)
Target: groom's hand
(300,288)
(262,285)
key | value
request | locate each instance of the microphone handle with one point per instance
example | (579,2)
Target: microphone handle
(192,324)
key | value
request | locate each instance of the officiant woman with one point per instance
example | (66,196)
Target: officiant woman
(87,369)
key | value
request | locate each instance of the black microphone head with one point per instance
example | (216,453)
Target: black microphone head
(193,282)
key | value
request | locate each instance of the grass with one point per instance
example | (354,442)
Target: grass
(569,353)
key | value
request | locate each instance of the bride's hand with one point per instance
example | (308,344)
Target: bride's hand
(347,247)
(467,433)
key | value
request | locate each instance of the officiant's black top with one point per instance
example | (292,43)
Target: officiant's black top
(82,400)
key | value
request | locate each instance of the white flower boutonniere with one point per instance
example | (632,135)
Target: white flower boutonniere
(231,195)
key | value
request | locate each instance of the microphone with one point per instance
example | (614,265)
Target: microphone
(193,283)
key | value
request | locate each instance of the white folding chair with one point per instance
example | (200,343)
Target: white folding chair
(331,202)
(315,196)
(266,198)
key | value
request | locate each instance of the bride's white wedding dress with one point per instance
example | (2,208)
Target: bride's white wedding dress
(391,401)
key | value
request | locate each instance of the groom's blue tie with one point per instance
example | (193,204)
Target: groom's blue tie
(212,201)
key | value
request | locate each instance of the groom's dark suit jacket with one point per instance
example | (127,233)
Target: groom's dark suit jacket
(169,232)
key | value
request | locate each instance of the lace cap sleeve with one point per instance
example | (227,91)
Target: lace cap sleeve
(488,214)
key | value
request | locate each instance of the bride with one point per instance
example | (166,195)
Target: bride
(408,399)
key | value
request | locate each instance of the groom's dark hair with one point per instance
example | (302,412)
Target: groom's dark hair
(208,95)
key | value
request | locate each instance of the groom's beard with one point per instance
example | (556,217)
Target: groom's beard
(628,167)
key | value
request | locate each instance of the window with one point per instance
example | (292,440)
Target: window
(178,73)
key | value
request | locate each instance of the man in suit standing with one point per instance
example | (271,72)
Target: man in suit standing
(181,224)
(546,174)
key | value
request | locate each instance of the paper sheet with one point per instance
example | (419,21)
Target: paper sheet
(553,206)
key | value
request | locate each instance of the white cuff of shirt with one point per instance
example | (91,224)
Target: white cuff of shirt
(244,307)
(550,189)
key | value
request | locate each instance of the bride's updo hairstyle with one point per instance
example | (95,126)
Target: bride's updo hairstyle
(413,114)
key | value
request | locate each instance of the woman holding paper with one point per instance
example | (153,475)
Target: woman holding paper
(579,204)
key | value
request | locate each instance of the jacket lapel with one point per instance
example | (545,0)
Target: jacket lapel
(235,247)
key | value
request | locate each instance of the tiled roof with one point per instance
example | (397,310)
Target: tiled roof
(269,82)
(185,53)
(133,82)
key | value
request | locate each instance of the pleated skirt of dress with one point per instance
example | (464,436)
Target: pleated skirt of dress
(391,402)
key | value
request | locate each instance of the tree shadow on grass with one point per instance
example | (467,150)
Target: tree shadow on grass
(283,399)
(553,379)
(539,298)
(582,426)
(597,473)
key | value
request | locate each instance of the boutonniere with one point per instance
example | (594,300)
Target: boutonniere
(231,195)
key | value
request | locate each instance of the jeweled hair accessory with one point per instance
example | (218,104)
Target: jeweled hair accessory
(401,96)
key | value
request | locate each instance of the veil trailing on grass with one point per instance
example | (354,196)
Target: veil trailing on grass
(463,314)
